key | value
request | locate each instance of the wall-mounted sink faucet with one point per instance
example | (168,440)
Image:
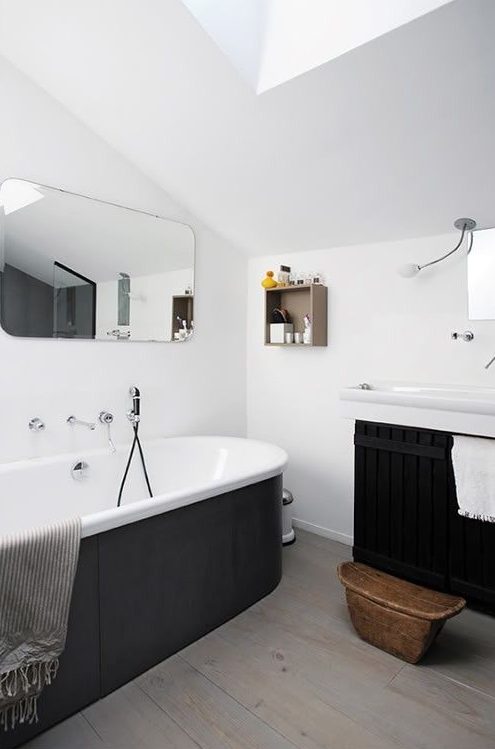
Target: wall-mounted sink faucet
(77,422)
(37,425)
(467,336)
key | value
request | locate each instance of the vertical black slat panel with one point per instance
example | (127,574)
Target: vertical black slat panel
(371,490)
(396,498)
(360,491)
(410,514)
(425,540)
(441,501)
(383,496)
(488,551)
(473,551)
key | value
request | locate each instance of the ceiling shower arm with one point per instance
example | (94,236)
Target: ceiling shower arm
(447,254)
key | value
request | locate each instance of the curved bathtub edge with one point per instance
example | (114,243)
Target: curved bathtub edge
(146,508)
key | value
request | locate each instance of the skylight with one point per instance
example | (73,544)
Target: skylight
(272,41)
(16,194)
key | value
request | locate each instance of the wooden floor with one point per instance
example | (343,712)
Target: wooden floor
(290,672)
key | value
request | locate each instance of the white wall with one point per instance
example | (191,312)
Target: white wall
(195,387)
(381,326)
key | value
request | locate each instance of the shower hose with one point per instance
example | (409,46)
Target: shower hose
(135,441)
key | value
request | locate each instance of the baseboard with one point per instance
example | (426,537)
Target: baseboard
(319,530)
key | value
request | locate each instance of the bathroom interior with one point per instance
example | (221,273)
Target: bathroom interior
(247,346)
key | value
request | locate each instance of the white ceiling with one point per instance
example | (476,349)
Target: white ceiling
(391,140)
(273,41)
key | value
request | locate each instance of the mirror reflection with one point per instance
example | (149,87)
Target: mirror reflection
(75,267)
(481,276)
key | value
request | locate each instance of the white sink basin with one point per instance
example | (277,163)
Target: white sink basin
(451,408)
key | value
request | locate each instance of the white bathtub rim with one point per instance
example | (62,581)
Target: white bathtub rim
(106,520)
(142,509)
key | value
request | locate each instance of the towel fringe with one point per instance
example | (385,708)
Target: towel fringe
(31,677)
(474,516)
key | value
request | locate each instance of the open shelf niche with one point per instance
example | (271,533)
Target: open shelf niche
(183,307)
(299,301)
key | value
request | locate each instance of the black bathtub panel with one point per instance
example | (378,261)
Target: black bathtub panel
(257,549)
(167,580)
(78,680)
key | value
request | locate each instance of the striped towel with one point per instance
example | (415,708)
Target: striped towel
(37,570)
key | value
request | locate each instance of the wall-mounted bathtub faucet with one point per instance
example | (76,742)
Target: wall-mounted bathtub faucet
(36,425)
(77,422)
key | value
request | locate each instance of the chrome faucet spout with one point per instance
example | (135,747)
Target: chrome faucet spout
(490,362)
(77,422)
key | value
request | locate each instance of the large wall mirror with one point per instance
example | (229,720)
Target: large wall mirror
(75,267)
(481,276)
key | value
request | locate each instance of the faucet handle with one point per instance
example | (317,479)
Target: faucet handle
(36,425)
(105,417)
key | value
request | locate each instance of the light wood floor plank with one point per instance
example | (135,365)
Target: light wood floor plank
(441,713)
(261,680)
(74,733)
(128,718)
(210,716)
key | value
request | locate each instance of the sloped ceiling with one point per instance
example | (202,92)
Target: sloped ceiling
(273,41)
(391,140)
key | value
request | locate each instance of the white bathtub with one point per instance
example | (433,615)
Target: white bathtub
(182,471)
(147,589)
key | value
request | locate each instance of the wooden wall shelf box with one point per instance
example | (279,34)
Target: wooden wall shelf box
(299,301)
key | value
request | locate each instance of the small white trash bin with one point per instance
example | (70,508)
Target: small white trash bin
(288,535)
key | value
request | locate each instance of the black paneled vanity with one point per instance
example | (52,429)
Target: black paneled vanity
(405,514)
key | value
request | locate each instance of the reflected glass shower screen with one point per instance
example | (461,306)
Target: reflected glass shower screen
(74,304)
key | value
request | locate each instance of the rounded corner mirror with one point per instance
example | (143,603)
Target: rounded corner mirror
(75,267)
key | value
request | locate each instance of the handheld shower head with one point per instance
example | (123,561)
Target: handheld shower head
(135,413)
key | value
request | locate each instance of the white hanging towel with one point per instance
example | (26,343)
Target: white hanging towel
(473,459)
